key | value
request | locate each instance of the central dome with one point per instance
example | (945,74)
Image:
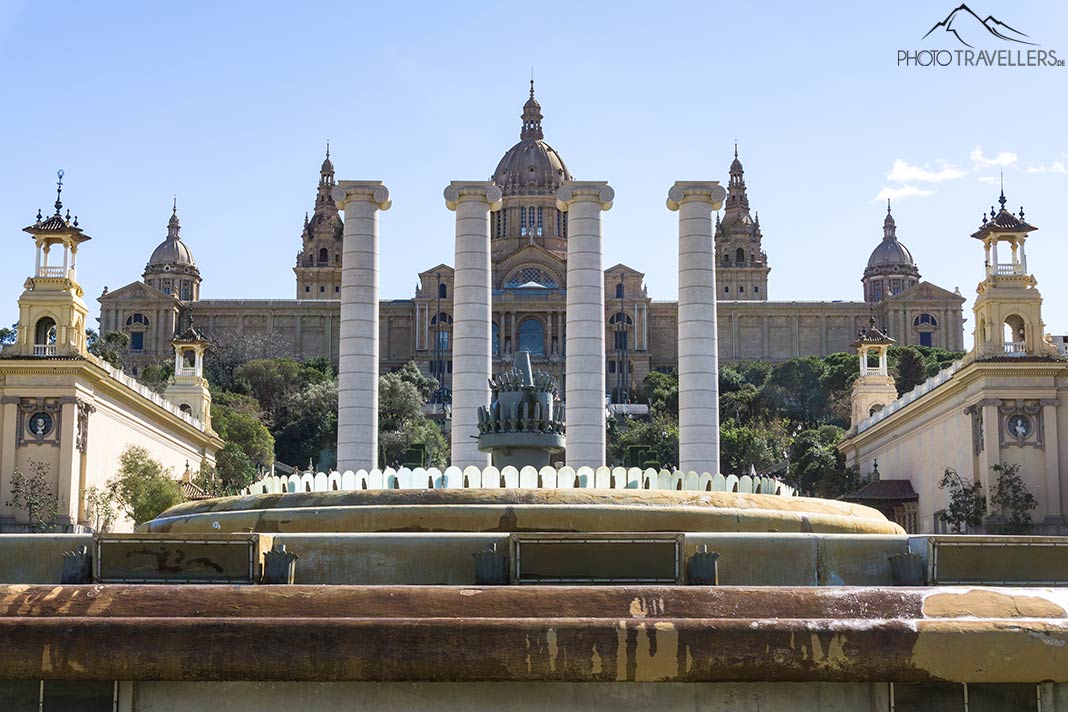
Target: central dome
(172,251)
(531,167)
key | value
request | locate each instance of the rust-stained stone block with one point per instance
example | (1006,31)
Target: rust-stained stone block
(761,559)
(857,559)
(1036,561)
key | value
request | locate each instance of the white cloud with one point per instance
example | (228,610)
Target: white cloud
(905,191)
(1005,158)
(992,180)
(903,172)
(1054,167)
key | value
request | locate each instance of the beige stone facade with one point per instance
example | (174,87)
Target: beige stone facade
(67,414)
(1004,403)
(528,238)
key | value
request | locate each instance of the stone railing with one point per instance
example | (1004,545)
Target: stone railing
(1015,348)
(141,389)
(602,478)
(918,392)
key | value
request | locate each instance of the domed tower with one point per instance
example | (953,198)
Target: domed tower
(891,268)
(171,268)
(318,266)
(529,175)
(741,264)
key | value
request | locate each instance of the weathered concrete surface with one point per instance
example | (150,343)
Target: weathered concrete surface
(750,559)
(501,510)
(515,697)
(37,558)
(638,634)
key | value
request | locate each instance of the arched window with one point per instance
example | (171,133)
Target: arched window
(739,256)
(1015,332)
(530,277)
(137,319)
(726,259)
(445,319)
(925,319)
(185,408)
(45,332)
(620,317)
(324,256)
(443,291)
(189,358)
(532,336)
(620,291)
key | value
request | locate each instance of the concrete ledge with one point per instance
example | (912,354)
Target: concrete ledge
(652,634)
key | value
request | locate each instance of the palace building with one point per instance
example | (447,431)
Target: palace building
(1002,404)
(66,416)
(529,259)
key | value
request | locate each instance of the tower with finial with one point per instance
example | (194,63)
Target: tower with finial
(874,388)
(188,388)
(172,268)
(891,268)
(318,267)
(741,263)
(1008,305)
(52,315)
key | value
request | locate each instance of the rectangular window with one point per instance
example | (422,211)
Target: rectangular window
(726,289)
(756,289)
(137,341)
(621,340)
(187,290)
(611,366)
(523,221)
(167,286)
(539,222)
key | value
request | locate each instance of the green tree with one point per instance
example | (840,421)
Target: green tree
(1011,500)
(426,385)
(795,391)
(841,370)
(33,494)
(745,446)
(401,423)
(967,503)
(99,508)
(234,471)
(108,347)
(661,392)
(141,487)
(814,457)
(8,336)
(157,375)
(269,381)
(307,425)
(911,369)
(236,421)
(657,437)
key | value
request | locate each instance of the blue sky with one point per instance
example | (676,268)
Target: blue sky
(229,105)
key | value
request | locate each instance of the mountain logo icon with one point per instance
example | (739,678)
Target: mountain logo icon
(969,28)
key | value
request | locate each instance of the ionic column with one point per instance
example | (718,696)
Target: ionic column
(357,414)
(472,318)
(585,384)
(698,348)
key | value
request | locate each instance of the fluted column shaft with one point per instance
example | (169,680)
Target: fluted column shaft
(472,316)
(357,415)
(585,388)
(698,343)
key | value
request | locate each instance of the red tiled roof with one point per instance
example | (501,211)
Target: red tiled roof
(884,489)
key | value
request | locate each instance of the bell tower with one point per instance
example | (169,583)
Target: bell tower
(52,315)
(1008,308)
(874,389)
(189,389)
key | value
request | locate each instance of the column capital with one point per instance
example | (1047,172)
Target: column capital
(706,191)
(367,191)
(461,191)
(574,191)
